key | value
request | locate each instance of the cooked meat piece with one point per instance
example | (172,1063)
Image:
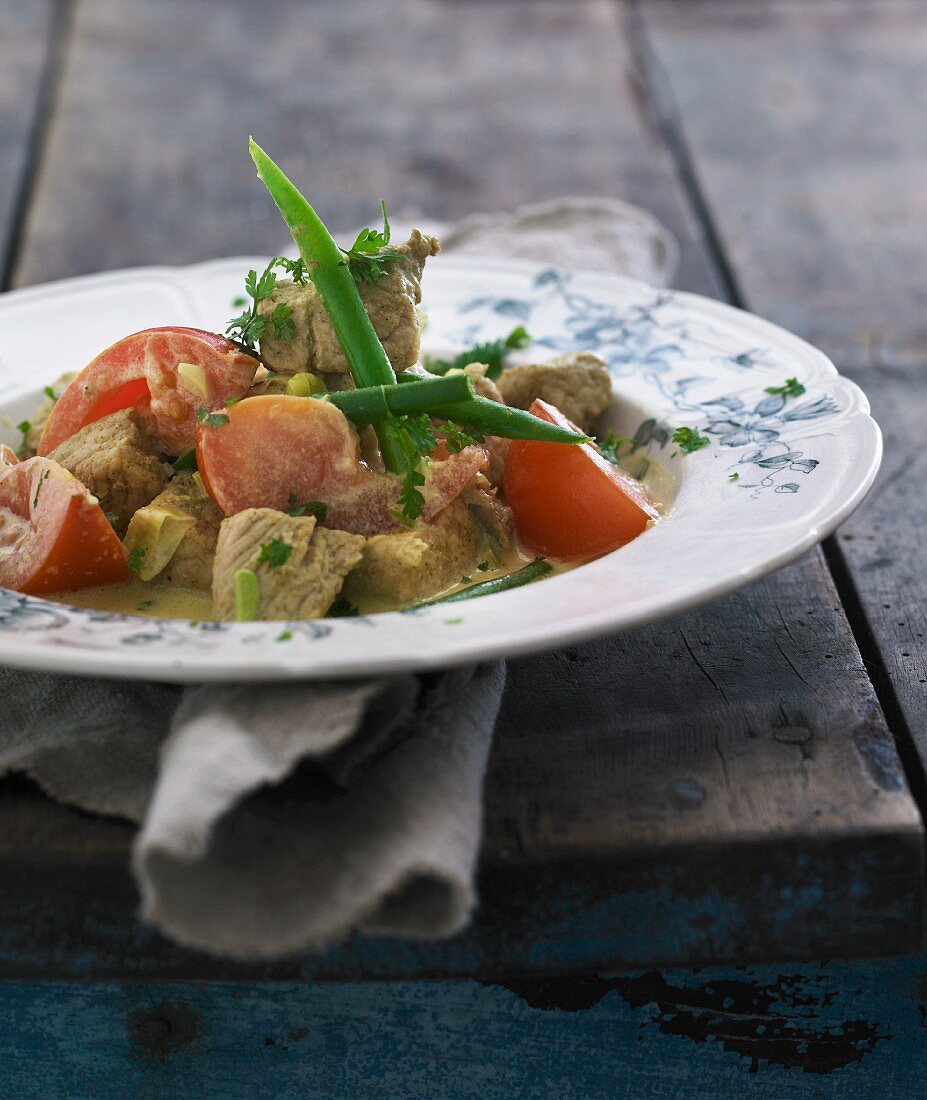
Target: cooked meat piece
(390,302)
(494,518)
(115,458)
(496,447)
(405,568)
(40,416)
(485,387)
(306,579)
(191,563)
(578,384)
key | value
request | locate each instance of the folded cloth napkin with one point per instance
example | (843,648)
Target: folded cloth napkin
(280,817)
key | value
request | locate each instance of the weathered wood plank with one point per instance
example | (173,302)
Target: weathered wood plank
(718,787)
(24,44)
(839,1031)
(806,124)
(429,105)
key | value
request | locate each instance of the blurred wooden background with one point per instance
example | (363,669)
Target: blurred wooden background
(784,144)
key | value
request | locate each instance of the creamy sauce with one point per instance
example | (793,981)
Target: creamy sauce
(153,598)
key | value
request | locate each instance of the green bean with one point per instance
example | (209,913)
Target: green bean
(528,573)
(492,418)
(329,272)
(375,403)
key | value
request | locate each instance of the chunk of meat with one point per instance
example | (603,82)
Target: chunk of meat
(496,446)
(410,566)
(390,303)
(178,530)
(39,418)
(116,459)
(578,384)
(272,449)
(306,580)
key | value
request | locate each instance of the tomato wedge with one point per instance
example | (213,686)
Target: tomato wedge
(53,532)
(568,501)
(141,372)
(276,450)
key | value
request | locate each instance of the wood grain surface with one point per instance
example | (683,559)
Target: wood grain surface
(817,183)
(719,786)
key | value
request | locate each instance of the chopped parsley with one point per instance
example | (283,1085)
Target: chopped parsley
(791,388)
(342,608)
(50,393)
(210,419)
(284,636)
(370,256)
(411,501)
(484,567)
(186,461)
(249,326)
(24,427)
(136,559)
(275,553)
(145,605)
(492,353)
(317,508)
(689,440)
(38,488)
(612,444)
(282,320)
(455,438)
(112,519)
(735,476)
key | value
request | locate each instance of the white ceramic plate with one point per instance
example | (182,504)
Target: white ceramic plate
(803,465)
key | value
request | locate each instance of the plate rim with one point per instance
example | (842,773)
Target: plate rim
(197,667)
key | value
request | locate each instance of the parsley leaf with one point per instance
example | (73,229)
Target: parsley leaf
(735,476)
(50,393)
(24,427)
(455,438)
(420,433)
(38,488)
(284,636)
(210,419)
(275,553)
(136,559)
(186,461)
(791,388)
(612,444)
(492,353)
(342,608)
(249,327)
(282,320)
(317,508)
(411,501)
(370,256)
(112,519)
(689,439)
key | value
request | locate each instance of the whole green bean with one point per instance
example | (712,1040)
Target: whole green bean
(528,573)
(492,418)
(329,272)
(373,403)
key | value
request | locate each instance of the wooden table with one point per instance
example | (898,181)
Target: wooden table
(739,784)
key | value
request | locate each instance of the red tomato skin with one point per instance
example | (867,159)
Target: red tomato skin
(53,532)
(140,371)
(569,502)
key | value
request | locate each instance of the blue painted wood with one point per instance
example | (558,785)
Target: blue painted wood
(833,1031)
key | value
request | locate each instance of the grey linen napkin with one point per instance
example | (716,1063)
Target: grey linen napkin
(281,817)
